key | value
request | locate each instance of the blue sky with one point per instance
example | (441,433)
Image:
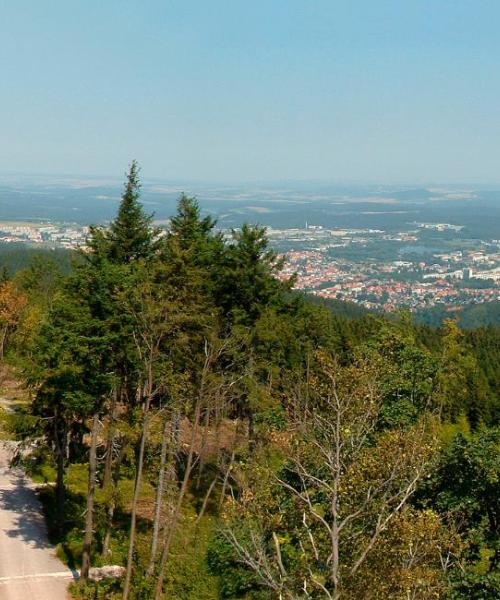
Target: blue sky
(240,90)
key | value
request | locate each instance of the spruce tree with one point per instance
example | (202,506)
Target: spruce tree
(188,227)
(194,246)
(248,279)
(130,235)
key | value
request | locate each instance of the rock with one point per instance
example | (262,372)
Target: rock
(106,572)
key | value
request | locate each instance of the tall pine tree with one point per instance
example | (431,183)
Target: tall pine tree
(130,236)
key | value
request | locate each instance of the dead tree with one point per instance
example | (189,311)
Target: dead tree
(89,519)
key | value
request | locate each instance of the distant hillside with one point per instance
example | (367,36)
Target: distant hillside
(469,317)
(341,308)
(16,257)
(472,316)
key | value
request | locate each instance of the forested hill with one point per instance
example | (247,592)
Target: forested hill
(15,257)
(341,308)
(224,438)
(469,317)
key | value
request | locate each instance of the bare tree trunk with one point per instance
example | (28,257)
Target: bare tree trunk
(107,480)
(108,464)
(306,395)
(3,338)
(205,501)
(178,505)
(226,479)
(159,497)
(251,430)
(230,465)
(89,520)
(110,513)
(137,490)
(203,446)
(112,505)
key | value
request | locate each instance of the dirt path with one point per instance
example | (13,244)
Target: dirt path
(29,568)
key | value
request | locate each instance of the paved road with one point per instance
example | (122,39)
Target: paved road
(29,568)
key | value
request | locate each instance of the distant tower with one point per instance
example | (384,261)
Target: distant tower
(467,273)
(306,224)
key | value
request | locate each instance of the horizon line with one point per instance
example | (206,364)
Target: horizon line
(119,179)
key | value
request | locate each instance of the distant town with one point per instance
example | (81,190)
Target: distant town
(415,269)
(70,236)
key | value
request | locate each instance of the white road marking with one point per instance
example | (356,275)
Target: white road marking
(67,574)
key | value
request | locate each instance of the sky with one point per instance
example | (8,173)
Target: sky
(365,91)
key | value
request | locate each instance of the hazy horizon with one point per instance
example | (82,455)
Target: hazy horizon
(118,179)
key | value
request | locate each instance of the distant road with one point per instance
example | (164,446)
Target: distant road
(29,567)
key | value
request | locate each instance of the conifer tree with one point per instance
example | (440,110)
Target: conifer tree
(457,366)
(130,235)
(187,226)
(248,279)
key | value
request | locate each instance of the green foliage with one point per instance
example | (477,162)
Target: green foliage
(408,373)
(234,580)
(465,488)
(484,344)
(193,233)
(246,282)
(20,425)
(475,587)
(469,317)
(189,577)
(18,257)
(449,430)
(105,590)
